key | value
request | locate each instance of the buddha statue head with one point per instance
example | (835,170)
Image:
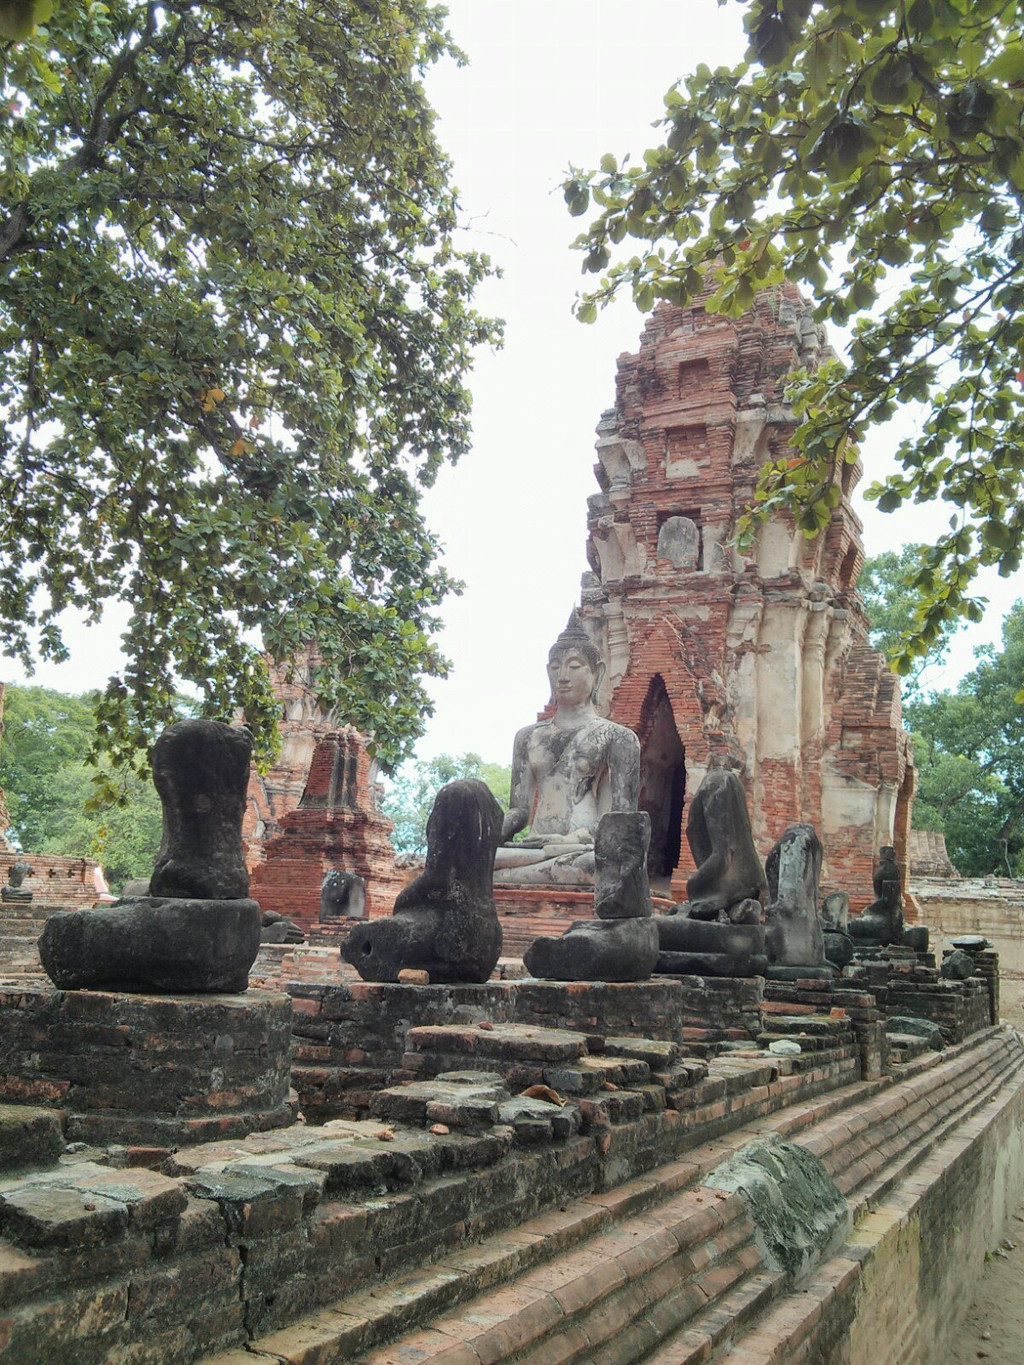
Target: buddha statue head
(575,666)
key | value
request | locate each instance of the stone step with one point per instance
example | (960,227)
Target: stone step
(29,1137)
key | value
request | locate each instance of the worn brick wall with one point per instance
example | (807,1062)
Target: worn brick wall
(55,880)
(762,655)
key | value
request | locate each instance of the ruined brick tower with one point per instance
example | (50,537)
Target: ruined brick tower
(764,656)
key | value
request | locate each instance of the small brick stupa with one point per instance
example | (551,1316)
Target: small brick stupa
(336,825)
(764,656)
(302,724)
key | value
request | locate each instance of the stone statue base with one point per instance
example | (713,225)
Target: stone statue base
(596,950)
(153,944)
(157,1070)
(13,895)
(423,940)
(790,973)
(695,947)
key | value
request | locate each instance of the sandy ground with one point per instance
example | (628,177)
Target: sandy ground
(993,1328)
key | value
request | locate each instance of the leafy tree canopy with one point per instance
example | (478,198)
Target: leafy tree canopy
(50,789)
(410,793)
(969,750)
(886,586)
(873,151)
(234,329)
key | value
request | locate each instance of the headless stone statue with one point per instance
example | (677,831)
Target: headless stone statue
(342,896)
(14,892)
(622,943)
(729,871)
(567,772)
(197,930)
(719,932)
(445,921)
(835,916)
(794,937)
(882,921)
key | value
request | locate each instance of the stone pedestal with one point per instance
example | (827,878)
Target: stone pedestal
(147,1069)
(153,944)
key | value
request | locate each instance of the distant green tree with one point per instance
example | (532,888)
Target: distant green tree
(45,731)
(235,326)
(122,838)
(969,750)
(410,793)
(51,788)
(886,585)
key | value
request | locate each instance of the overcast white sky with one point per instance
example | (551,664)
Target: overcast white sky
(550,82)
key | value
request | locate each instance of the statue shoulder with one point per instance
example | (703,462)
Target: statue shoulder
(621,735)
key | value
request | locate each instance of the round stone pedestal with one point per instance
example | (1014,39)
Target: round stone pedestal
(148,1069)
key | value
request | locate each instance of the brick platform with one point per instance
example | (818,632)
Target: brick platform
(350,1036)
(144,1069)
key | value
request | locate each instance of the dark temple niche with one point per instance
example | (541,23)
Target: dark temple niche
(445,922)
(197,931)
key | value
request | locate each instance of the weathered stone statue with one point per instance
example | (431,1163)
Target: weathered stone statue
(882,921)
(794,937)
(197,931)
(729,871)
(567,772)
(275,928)
(622,943)
(13,892)
(720,931)
(835,916)
(342,896)
(444,922)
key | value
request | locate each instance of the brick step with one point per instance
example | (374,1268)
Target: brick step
(29,1137)
(904,1047)
(660,1264)
(867,1154)
(358,1322)
(583,1283)
(783,1333)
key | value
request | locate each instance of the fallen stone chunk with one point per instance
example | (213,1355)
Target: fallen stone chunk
(460,1105)
(538,1121)
(799,1214)
(917,1028)
(352,1167)
(150,1197)
(659,1055)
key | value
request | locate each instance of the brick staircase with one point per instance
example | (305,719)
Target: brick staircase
(660,1269)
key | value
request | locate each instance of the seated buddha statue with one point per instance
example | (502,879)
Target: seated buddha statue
(567,771)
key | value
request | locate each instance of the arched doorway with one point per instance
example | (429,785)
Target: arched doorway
(662,782)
